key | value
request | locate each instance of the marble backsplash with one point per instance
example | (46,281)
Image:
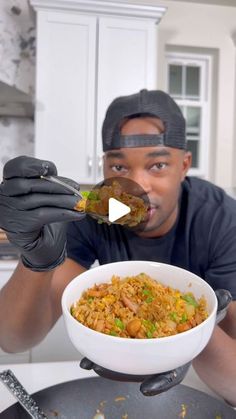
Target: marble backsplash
(17,69)
(17,44)
(16,138)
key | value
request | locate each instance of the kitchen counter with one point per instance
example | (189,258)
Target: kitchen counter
(36,376)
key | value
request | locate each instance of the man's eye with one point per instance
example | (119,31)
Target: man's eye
(117,168)
(158,166)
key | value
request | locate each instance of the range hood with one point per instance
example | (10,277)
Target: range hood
(14,102)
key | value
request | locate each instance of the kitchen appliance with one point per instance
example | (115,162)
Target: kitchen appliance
(99,398)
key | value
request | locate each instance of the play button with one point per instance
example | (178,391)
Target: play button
(117,201)
(116,210)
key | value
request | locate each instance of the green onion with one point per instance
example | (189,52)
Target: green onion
(146,292)
(149,334)
(113,333)
(184,318)
(85,194)
(152,328)
(90,299)
(149,325)
(149,299)
(173,316)
(190,300)
(119,324)
(93,196)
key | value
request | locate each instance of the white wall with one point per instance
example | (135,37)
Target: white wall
(211,27)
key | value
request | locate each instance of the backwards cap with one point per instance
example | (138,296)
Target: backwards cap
(153,103)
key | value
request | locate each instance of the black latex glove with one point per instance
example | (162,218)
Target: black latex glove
(152,385)
(33,212)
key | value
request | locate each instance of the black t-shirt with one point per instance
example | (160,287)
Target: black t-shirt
(203,239)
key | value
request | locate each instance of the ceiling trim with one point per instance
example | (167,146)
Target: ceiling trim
(104,7)
(223,3)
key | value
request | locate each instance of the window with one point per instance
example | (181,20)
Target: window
(189,85)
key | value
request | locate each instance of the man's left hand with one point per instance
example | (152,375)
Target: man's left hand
(151,385)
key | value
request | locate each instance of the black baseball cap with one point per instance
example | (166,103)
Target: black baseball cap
(155,103)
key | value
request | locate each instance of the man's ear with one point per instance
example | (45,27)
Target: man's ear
(187,162)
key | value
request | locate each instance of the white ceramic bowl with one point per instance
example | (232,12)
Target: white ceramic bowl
(139,356)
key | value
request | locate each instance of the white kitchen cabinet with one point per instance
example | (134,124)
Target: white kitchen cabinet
(127,62)
(87,54)
(6,270)
(65,87)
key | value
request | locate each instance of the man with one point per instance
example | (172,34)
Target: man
(191,224)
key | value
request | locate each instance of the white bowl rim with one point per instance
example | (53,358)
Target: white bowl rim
(66,310)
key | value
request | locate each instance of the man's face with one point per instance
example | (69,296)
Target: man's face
(158,170)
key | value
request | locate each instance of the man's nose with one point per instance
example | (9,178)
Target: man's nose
(141,183)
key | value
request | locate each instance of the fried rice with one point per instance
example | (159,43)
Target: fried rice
(97,201)
(138,307)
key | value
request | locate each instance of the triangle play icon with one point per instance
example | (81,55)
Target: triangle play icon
(116,209)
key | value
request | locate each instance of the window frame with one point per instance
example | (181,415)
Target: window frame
(203,61)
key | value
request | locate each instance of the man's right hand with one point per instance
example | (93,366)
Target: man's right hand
(33,212)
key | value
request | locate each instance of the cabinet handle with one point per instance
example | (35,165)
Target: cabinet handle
(90,165)
(100,165)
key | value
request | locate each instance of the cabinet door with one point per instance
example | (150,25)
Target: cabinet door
(56,346)
(6,271)
(65,91)
(127,62)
